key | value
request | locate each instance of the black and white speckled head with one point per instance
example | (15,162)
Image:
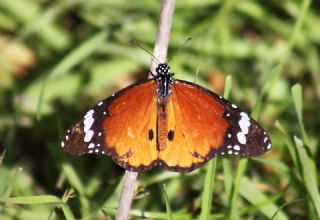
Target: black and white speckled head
(164,80)
(163,69)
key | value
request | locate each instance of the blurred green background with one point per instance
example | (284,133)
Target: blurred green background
(58,58)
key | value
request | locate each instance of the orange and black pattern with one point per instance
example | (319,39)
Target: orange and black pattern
(176,124)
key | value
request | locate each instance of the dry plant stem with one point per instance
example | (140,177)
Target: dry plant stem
(127,191)
(163,35)
(160,52)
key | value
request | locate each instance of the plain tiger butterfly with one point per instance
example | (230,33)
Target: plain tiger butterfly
(176,124)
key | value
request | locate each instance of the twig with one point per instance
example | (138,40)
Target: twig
(160,52)
(128,186)
(163,35)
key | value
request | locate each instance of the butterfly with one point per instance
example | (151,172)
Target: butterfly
(164,121)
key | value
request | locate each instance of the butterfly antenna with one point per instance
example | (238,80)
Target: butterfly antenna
(182,46)
(140,46)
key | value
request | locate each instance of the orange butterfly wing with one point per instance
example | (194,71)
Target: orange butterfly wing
(131,127)
(202,124)
(195,127)
(122,126)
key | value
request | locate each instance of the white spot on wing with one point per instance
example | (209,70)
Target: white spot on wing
(269,146)
(100,103)
(62,144)
(89,113)
(236,147)
(244,124)
(241,138)
(88,136)
(91,145)
(88,122)
(234,106)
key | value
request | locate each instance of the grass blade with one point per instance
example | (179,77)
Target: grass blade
(291,148)
(67,212)
(234,213)
(11,184)
(206,200)
(249,191)
(309,178)
(31,200)
(168,208)
(297,100)
(73,177)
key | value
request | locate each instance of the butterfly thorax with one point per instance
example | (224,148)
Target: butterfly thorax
(164,80)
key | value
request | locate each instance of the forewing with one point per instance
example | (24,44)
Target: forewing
(206,125)
(122,126)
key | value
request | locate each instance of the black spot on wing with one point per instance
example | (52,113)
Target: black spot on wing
(150,135)
(171,135)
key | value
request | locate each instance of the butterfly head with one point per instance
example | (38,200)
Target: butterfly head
(164,79)
(163,69)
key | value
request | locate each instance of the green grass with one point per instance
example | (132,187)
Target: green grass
(59,58)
